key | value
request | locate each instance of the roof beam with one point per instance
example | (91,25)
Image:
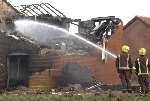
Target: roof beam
(29,7)
(56,9)
(38,9)
(43,8)
(50,9)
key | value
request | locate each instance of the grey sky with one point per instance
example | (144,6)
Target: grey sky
(87,9)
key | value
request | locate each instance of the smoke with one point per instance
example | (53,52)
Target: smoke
(40,32)
(51,36)
(43,33)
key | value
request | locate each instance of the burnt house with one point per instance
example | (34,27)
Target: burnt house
(26,63)
(15,52)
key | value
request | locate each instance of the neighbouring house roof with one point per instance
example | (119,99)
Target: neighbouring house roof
(11,6)
(143,19)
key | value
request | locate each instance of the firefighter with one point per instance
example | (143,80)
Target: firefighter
(142,66)
(124,68)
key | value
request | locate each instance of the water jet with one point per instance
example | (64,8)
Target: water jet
(36,30)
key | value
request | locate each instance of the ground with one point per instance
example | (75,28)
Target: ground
(83,97)
(51,95)
(107,93)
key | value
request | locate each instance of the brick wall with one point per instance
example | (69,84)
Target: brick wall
(103,72)
(42,79)
(42,76)
(137,35)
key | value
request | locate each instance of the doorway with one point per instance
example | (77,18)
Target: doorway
(18,64)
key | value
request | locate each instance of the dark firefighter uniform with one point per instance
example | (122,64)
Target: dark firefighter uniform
(124,68)
(142,66)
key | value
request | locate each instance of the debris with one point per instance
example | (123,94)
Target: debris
(13,36)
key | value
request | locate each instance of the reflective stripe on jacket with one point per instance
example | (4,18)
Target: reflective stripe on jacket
(143,66)
(123,62)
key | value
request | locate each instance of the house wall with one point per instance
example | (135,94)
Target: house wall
(116,40)
(6,15)
(137,35)
(6,10)
(4,47)
(23,46)
(40,71)
(41,76)
(9,45)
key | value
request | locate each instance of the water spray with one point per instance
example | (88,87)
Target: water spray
(25,23)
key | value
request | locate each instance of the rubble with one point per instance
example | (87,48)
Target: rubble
(70,90)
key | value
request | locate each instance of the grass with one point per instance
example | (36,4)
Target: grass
(100,97)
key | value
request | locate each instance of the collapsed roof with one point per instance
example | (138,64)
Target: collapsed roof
(39,9)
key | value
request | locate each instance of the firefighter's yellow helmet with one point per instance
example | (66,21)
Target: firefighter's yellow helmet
(125,48)
(142,51)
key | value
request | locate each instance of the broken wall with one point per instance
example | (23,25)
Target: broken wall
(85,26)
(100,71)
(103,71)
(7,13)
(4,48)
